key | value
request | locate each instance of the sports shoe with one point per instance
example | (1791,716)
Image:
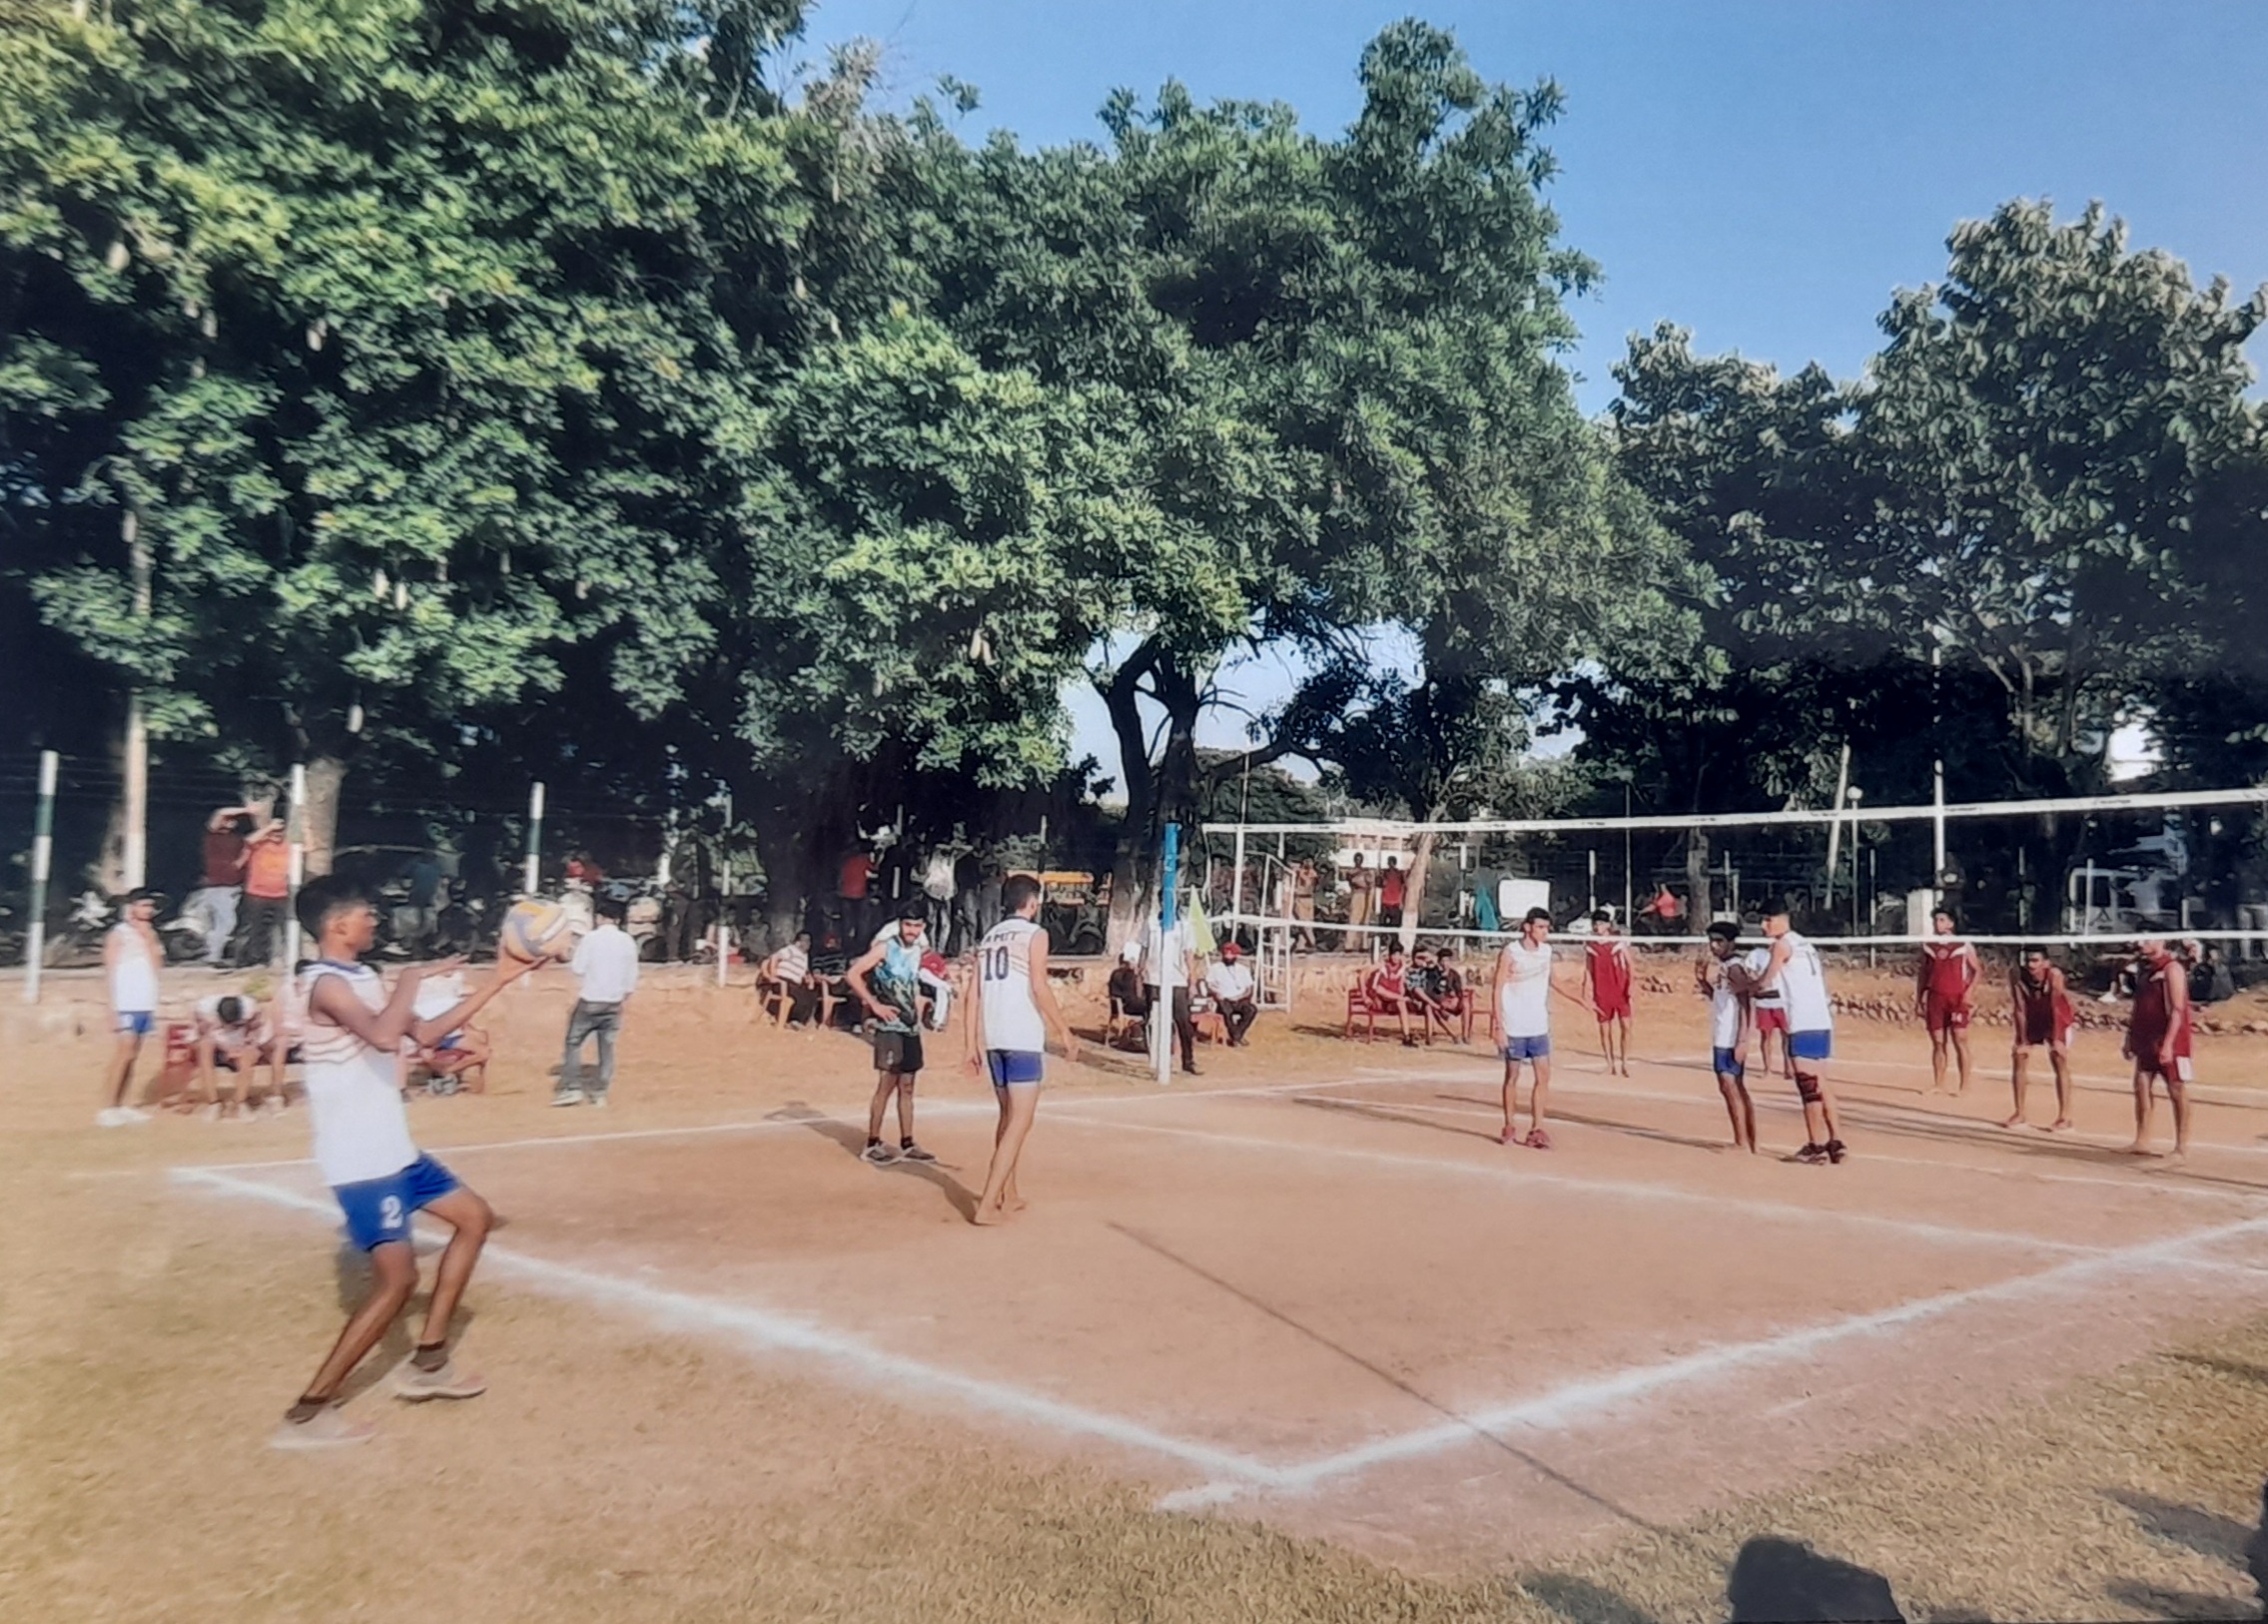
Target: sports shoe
(1837,1151)
(910,1152)
(111,1117)
(595,1099)
(210,1112)
(133,1114)
(566,1100)
(416,1385)
(328,1428)
(1811,1155)
(879,1154)
(273,1108)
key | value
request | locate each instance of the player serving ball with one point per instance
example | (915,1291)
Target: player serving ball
(353,1029)
(1011,1011)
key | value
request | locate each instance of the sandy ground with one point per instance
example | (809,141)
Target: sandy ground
(1305,1344)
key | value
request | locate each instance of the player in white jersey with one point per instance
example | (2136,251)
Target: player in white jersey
(363,1151)
(1519,1021)
(1792,966)
(1724,982)
(1011,1011)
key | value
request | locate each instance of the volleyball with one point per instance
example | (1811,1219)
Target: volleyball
(534,929)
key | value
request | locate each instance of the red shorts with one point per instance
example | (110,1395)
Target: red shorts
(1942,1014)
(1771,1018)
(1608,1008)
(2038,1024)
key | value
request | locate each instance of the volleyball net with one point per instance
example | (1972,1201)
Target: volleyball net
(2069,870)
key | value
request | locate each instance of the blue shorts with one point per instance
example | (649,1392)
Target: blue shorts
(1728,1063)
(136,1023)
(1810,1045)
(1014,1067)
(379,1210)
(1520,1049)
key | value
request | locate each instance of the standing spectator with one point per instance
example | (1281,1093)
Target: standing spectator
(1392,891)
(1304,904)
(1359,882)
(1168,966)
(267,891)
(422,902)
(220,880)
(131,956)
(854,885)
(1231,985)
(606,964)
(937,892)
(967,881)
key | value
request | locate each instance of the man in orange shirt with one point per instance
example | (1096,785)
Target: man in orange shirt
(267,891)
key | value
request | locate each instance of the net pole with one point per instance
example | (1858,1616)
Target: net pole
(1937,830)
(532,868)
(1236,886)
(1162,1013)
(296,837)
(43,858)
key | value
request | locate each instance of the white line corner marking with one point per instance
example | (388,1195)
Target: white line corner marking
(1233,1474)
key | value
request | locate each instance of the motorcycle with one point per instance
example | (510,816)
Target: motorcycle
(80,939)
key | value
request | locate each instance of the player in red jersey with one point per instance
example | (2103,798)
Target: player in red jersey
(2041,1013)
(1606,978)
(2157,1040)
(1944,976)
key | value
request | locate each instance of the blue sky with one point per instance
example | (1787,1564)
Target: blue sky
(1764,172)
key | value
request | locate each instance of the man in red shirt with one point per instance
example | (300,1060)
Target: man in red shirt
(1944,976)
(267,891)
(853,883)
(2041,1013)
(1606,976)
(2157,1040)
(1393,890)
(220,880)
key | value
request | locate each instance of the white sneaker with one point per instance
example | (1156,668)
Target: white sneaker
(130,1114)
(111,1117)
(559,1100)
(274,1106)
(211,1112)
(598,1099)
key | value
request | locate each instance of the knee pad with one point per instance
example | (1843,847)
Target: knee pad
(1807,1088)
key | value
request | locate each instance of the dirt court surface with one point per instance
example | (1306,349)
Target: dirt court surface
(1297,1338)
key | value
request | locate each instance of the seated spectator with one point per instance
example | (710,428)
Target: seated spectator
(234,1034)
(829,969)
(1229,985)
(459,1060)
(787,986)
(1386,987)
(1127,996)
(1451,998)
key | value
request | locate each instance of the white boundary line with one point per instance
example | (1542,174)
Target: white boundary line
(1234,1472)
(1578,1400)
(1527,1176)
(763,1330)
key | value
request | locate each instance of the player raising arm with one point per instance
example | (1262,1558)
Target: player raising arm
(1011,1011)
(363,1149)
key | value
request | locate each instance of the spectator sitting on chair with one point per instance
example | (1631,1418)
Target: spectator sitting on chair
(787,987)
(1386,987)
(452,1062)
(234,1034)
(1231,985)
(1448,996)
(1127,996)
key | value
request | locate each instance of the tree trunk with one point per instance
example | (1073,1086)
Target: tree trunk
(1413,891)
(110,861)
(319,819)
(1130,866)
(1698,898)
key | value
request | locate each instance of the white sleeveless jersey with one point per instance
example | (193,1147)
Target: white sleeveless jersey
(1804,982)
(1004,970)
(1724,1007)
(1524,1006)
(353,1091)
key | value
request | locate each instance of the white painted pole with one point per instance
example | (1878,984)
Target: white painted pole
(134,859)
(532,872)
(43,858)
(1592,905)
(1937,826)
(296,836)
(1835,829)
(724,890)
(1237,896)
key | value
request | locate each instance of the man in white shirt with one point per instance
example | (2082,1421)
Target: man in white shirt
(233,1035)
(1520,1022)
(606,964)
(1170,965)
(131,956)
(786,985)
(363,1148)
(1231,985)
(1792,965)
(1011,1011)
(1724,979)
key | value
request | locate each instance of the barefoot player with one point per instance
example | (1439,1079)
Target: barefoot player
(1606,978)
(363,1149)
(1792,966)
(1944,975)
(2157,1040)
(1011,1011)
(2041,1015)
(1519,1022)
(1724,982)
